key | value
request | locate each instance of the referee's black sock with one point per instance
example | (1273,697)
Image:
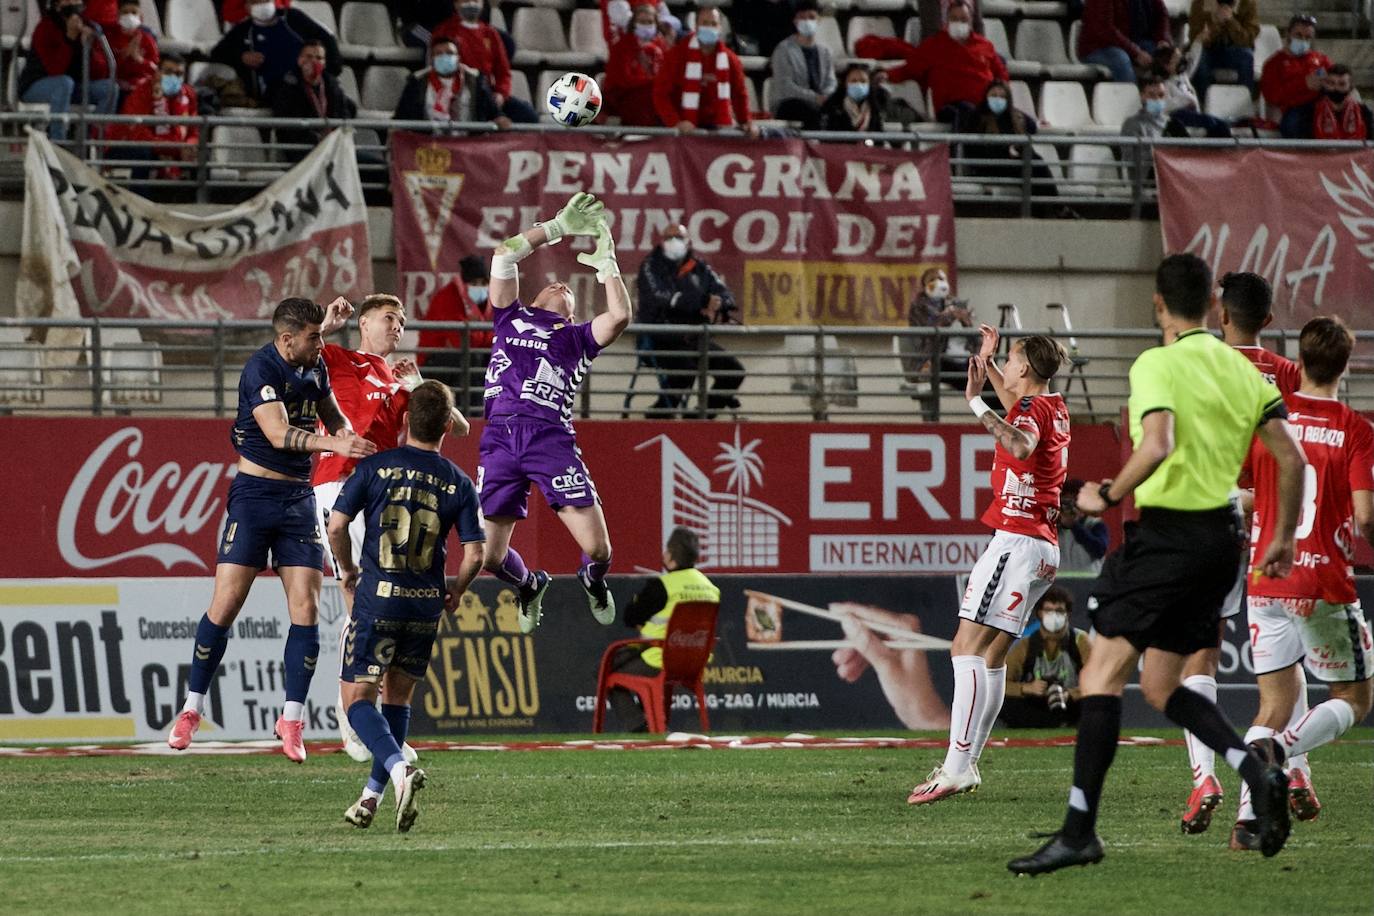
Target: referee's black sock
(1099,725)
(1208,724)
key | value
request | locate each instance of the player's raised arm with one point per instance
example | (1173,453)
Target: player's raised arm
(988,351)
(610,324)
(272,420)
(581,216)
(1017,441)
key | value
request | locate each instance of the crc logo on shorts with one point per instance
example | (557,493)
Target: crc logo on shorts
(572,484)
(391,590)
(267,393)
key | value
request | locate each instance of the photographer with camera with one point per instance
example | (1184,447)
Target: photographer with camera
(1082,538)
(1042,668)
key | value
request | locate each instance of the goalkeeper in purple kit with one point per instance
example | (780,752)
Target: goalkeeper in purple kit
(539,358)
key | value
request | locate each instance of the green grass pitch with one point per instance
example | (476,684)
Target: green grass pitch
(645,832)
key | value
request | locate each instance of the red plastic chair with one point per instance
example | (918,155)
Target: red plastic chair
(686,649)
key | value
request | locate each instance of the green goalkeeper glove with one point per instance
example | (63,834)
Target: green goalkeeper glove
(602,258)
(582,215)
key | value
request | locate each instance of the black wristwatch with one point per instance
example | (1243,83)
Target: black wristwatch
(1104,491)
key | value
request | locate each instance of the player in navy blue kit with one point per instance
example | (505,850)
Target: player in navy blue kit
(283,390)
(411,498)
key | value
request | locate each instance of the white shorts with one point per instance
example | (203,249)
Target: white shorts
(1008,580)
(325,494)
(1333,640)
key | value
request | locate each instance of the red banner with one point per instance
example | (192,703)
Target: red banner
(1303,220)
(146,497)
(803,232)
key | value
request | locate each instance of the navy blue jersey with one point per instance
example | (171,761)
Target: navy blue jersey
(411,499)
(267,377)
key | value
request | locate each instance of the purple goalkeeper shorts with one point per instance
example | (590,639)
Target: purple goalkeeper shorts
(513,453)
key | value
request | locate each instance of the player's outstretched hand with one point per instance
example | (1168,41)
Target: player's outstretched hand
(977,377)
(351,445)
(990,340)
(336,315)
(407,372)
(1277,561)
(602,258)
(583,215)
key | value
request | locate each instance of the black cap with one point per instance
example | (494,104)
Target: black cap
(473,269)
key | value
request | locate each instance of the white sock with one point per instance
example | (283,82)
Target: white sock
(1323,724)
(1202,757)
(371,793)
(970,698)
(398,777)
(1246,811)
(195,702)
(1299,761)
(997,691)
(293,711)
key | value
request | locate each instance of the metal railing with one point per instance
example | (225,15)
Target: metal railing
(1123,180)
(192,368)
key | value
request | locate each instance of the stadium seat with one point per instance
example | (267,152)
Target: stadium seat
(1267,43)
(553,4)
(238,154)
(1021,98)
(1043,41)
(995,31)
(366,33)
(999,8)
(539,32)
(152,16)
(1064,105)
(910,92)
(382,88)
(911,33)
(1044,9)
(130,370)
(348,79)
(520,86)
(766,96)
(497,19)
(1113,103)
(319,10)
(191,26)
(828,34)
(1177,8)
(13,27)
(1074,29)
(585,35)
(1094,172)
(880,6)
(21,369)
(753,91)
(202,70)
(1230,103)
(686,649)
(859,26)
(541,91)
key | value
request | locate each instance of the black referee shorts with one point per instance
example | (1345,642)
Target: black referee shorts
(1164,588)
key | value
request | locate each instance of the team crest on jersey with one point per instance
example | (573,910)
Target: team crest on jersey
(498,363)
(267,393)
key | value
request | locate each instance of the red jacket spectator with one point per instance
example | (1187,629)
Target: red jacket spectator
(479,47)
(629,85)
(235,11)
(953,71)
(671,84)
(1107,24)
(136,55)
(57,55)
(167,141)
(452,303)
(104,12)
(1283,82)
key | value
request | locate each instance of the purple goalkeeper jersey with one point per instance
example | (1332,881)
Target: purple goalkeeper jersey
(538,361)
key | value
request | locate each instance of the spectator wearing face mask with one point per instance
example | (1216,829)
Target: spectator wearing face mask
(856,104)
(480,46)
(308,93)
(1333,115)
(701,83)
(1043,668)
(803,71)
(163,95)
(1152,119)
(1224,31)
(618,19)
(265,47)
(997,116)
(55,68)
(1082,538)
(956,65)
(447,92)
(1180,98)
(933,308)
(1292,76)
(632,65)
(134,47)
(235,11)
(1122,34)
(441,352)
(677,287)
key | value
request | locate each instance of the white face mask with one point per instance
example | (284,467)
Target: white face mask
(960,31)
(263,12)
(129,21)
(1054,621)
(675,249)
(938,290)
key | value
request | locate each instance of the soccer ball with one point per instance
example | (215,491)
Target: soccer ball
(574,100)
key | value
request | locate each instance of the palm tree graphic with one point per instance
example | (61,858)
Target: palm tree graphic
(745,468)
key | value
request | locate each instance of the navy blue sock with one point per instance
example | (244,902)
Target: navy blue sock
(211,641)
(373,731)
(398,721)
(302,651)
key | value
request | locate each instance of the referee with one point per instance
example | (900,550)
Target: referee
(1195,406)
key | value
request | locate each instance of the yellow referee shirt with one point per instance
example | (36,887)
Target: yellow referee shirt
(1218,400)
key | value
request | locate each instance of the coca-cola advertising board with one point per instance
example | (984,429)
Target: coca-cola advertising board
(146,497)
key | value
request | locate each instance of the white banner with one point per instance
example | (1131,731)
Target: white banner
(109,659)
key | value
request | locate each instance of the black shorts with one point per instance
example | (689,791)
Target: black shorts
(1164,588)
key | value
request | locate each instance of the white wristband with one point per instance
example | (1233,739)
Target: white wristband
(503,267)
(978,406)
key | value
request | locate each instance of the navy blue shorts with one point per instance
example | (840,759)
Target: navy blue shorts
(276,516)
(373,644)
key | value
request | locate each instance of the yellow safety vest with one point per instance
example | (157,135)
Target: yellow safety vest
(681,585)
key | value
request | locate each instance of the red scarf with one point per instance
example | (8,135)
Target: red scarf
(691,85)
(1328,124)
(445,97)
